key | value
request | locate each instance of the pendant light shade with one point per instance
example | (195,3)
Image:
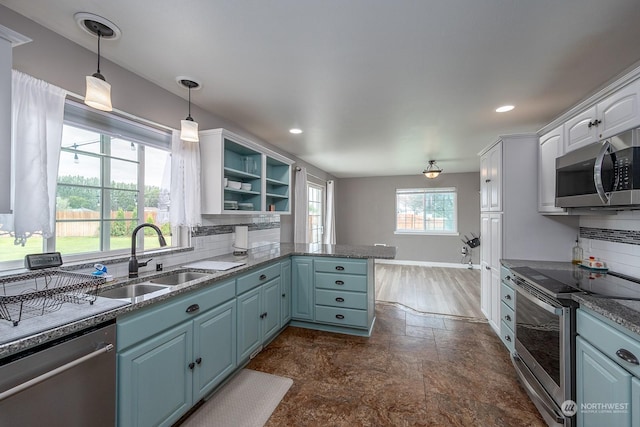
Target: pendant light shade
(98,93)
(432,171)
(188,126)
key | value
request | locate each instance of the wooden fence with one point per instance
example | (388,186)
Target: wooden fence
(86,223)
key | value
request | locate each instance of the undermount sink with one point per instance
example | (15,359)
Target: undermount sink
(178,278)
(131,291)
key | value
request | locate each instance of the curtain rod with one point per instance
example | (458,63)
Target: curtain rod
(298,169)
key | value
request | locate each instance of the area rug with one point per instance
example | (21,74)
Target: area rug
(248,400)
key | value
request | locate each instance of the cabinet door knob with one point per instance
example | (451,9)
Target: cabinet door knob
(199,360)
(627,356)
(263,276)
(192,365)
(192,308)
(590,125)
(339,316)
(507,297)
(339,268)
(507,318)
(487,180)
(339,282)
(507,337)
(507,278)
(284,295)
(339,299)
(487,267)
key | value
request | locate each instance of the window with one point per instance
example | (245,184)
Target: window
(113,174)
(426,211)
(316,212)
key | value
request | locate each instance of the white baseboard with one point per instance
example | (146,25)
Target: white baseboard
(426,263)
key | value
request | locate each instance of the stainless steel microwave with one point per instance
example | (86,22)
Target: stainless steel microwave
(601,175)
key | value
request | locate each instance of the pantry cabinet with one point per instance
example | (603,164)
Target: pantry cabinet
(616,113)
(551,147)
(490,179)
(239,176)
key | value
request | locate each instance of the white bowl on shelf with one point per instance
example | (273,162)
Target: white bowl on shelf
(236,185)
(226,182)
(246,186)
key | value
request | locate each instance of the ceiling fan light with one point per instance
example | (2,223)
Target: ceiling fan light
(98,94)
(189,130)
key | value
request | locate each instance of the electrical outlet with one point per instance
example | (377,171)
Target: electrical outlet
(159,266)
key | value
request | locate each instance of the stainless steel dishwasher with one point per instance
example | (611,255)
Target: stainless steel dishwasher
(70,382)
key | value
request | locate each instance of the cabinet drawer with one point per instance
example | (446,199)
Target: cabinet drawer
(507,336)
(343,282)
(609,340)
(341,316)
(505,274)
(340,265)
(149,321)
(257,278)
(507,315)
(507,295)
(341,299)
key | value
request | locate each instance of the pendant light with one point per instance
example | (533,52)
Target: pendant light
(98,93)
(188,126)
(432,171)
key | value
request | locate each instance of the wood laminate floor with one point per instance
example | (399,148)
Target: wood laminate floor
(415,370)
(448,291)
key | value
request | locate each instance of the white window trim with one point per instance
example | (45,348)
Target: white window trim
(427,232)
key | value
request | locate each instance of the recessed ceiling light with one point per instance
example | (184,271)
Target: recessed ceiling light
(295,131)
(504,108)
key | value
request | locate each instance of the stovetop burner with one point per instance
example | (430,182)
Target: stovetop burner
(599,284)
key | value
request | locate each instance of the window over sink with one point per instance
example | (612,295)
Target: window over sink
(114,174)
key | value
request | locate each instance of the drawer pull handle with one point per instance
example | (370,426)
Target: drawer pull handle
(339,268)
(507,278)
(199,360)
(339,316)
(263,276)
(192,365)
(507,297)
(507,337)
(339,282)
(339,299)
(507,318)
(627,356)
(192,308)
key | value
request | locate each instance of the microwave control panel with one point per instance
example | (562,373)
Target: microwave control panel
(622,174)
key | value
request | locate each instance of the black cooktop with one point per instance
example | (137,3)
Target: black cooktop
(578,279)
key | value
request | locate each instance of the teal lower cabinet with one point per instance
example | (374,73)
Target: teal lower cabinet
(333,294)
(607,373)
(302,288)
(285,288)
(258,317)
(173,354)
(601,384)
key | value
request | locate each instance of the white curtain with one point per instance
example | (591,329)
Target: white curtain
(185,182)
(37,114)
(330,218)
(300,229)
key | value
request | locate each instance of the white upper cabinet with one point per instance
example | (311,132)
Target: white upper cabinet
(551,147)
(491,179)
(242,177)
(614,114)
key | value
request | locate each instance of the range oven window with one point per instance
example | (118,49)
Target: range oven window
(539,332)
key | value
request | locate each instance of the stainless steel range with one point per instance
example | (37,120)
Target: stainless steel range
(544,355)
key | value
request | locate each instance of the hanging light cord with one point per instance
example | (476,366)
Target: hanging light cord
(189,117)
(99,36)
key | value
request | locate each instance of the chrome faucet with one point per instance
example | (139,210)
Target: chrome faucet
(133,261)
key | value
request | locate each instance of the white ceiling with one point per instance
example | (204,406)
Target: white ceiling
(378,86)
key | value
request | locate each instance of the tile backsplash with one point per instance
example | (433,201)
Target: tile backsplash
(614,239)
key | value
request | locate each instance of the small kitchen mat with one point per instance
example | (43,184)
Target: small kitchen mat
(248,400)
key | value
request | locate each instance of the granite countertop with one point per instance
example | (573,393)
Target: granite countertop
(623,312)
(254,259)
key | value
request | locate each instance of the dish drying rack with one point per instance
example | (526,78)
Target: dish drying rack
(38,293)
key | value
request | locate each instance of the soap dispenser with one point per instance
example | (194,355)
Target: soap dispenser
(576,253)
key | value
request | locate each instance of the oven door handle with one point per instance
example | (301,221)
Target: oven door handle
(41,378)
(537,301)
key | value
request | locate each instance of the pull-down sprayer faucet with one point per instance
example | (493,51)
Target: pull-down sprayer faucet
(133,261)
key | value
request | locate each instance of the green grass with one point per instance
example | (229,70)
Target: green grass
(68,245)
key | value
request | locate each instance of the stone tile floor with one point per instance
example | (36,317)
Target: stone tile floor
(415,370)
